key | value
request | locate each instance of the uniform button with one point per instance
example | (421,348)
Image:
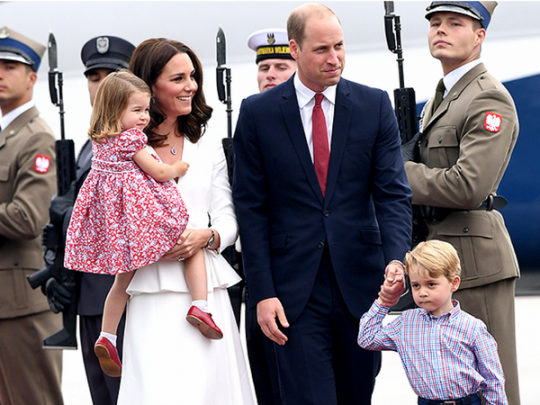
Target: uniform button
(321,245)
(326,214)
(465,230)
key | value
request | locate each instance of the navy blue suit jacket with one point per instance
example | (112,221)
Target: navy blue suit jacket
(284,220)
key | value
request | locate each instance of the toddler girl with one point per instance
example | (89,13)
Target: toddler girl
(128,213)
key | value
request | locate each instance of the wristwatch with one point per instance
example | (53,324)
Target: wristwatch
(211,240)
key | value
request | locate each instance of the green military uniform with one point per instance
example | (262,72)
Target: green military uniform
(464,151)
(29,375)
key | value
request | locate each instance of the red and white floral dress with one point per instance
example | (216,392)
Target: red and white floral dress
(123,219)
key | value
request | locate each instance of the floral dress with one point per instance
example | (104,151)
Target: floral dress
(123,219)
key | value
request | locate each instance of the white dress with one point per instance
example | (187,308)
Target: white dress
(166,360)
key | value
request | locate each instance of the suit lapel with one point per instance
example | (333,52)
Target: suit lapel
(340,128)
(291,115)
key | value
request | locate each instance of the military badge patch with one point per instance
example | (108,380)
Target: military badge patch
(492,122)
(42,164)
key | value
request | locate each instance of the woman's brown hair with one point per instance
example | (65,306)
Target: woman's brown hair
(147,62)
(111,101)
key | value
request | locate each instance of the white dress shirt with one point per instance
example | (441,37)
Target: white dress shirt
(453,77)
(306,102)
(7,119)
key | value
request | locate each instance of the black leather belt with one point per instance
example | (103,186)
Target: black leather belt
(469,399)
(430,213)
(493,202)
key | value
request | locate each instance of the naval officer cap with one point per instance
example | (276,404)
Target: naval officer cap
(19,48)
(479,10)
(270,43)
(106,52)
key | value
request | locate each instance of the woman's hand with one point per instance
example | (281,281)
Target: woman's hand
(189,242)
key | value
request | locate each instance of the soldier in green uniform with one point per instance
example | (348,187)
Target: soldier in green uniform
(464,148)
(28,374)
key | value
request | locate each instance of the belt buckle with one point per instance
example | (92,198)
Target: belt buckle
(450,402)
(490,200)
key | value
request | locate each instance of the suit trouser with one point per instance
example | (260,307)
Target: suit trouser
(103,389)
(494,304)
(321,363)
(262,361)
(30,374)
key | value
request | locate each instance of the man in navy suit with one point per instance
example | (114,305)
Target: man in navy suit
(315,251)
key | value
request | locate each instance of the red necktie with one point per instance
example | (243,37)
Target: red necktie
(321,151)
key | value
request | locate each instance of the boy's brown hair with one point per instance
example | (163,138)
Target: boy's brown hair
(112,99)
(436,257)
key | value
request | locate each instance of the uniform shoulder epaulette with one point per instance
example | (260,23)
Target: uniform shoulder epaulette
(487,82)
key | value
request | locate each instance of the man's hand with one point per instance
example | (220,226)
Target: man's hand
(57,295)
(267,312)
(410,151)
(393,286)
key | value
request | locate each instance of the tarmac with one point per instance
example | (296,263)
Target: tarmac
(392,386)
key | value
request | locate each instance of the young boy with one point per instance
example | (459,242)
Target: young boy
(448,355)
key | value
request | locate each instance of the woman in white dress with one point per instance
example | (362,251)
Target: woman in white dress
(166,360)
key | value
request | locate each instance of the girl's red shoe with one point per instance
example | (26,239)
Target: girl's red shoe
(108,357)
(205,323)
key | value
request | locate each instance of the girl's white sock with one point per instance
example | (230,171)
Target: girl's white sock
(201,304)
(109,336)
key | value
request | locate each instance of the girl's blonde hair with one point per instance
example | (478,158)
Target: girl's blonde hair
(111,101)
(436,257)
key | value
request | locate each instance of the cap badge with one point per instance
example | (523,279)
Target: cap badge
(102,44)
(492,122)
(270,38)
(4,33)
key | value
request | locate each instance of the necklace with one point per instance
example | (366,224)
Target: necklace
(173,150)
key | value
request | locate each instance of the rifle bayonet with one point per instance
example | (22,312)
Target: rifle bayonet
(65,148)
(53,69)
(224,92)
(221,47)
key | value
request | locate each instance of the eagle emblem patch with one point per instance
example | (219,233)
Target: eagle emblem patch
(492,122)
(102,44)
(42,164)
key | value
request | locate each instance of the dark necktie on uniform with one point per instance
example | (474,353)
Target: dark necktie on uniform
(321,150)
(439,93)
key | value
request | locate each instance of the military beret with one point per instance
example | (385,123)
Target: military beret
(271,43)
(479,10)
(17,47)
(106,52)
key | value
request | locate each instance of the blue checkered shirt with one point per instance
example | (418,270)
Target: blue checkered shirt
(448,357)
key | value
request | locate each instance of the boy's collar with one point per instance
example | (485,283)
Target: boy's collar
(450,314)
